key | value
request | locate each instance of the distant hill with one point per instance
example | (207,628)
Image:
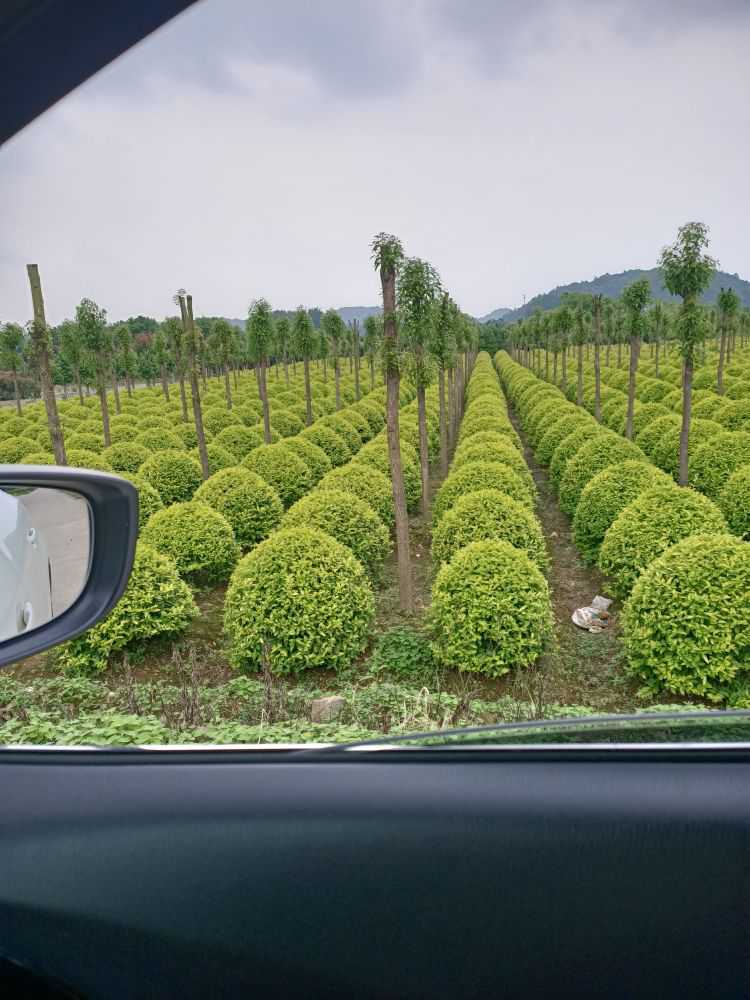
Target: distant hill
(496,314)
(611,285)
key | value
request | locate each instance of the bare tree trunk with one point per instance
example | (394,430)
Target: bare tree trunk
(17,394)
(186,308)
(451,405)
(101,385)
(424,454)
(264,400)
(656,360)
(597,327)
(554,367)
(129,385)
(80,385)
(40,346)
(325,371)
(164,382)
(564,386)
(337,379)
(116,389)
(355,348)
(183,397)
(443,424)
(308,392)
(687,403)
(606,354)
(286,369)
(720,369)
(406,593)
(619,353)
(579,386)
(372,373)
(635,350)
(227,386)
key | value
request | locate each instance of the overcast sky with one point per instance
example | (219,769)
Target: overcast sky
(254,148)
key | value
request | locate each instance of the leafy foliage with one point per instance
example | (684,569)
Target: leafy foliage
(173,474)
(198,538)
(481,475)
(250,505)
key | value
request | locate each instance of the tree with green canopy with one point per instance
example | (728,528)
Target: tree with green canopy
(387,255)
(333,332)
(303,335)
(371,341)
(12,339)
(443,349)
(222,341)
(260,339)
(174,334)
(283,335)
(71,348)
(160,352)
(635,297)
(687,272)
(40,351)
(191,342)
(97,339)
(727,305)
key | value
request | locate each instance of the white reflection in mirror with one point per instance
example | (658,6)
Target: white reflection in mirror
(45,544)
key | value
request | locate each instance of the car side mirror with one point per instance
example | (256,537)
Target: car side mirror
(67,541)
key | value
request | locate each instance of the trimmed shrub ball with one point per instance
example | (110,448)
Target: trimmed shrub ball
(149,500)
(174,475)
(218,458)
(284,422)
(156,602)
(155,439)
(375,454)
(666,452)
(686,626)
(365,482)
(569,448)
(38,458)
(281,469)
(490,610)
(557,432)
(314,457)
(198,538)
(477,476)
(188,434)
(251,506)
(714,462)
(299,600)
(216,418)
(734,416)
(654,431)
(491,452)
(332,443)
(655,520)
(609,492)
(486,515)
(78,458)
(126,457)
(240,440)
(603,451)
(344,429)
(644,416)
(85,441)
(349,520)
(734,501)
(359,422)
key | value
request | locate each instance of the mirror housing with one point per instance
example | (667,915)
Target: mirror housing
(113,506)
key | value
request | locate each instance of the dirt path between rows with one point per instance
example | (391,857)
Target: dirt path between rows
(579,668)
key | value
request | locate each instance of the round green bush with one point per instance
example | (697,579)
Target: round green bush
(314,457)
(372,414)
(249,504)
(156,602)
(149,500)
(174,475)
(603,451)
(198,538)
(666,452)
(648,438)
(13,448)
(216,418)
(486,515)
(331,443)
(491,452)
(349,520)
(156,439)
(734,416)
(285,423)
(570,446)
(85,441)
(647,527)
(79,458)
(478,476)
(644,416)
(734,501)
(490,609)
(557,432)
(300,599)
(344,429)
(38,458)
(605,495)
(188,434)
(126,457)
(375,454)
(706,409)
(365,482)
(240,440)
(218,458)
(686,627)
(17,427)
(359,422)
(714,462)
(473,423)
(281,469)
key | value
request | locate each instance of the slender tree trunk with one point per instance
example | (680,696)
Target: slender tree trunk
(40,346)
(227,386)
(564,386)
(355,348)
(451,405)
(687,403)
(235,378)
(606,354)
(129,386)
(443,423)
(188,324)
(554,367)
(635,350)
(116,389)
(164,382)
(619,353)
(720,369)
(101,385)
(406,593)
(286,369)
(579,386)
(656,360)
(424,455)
(546,364)
(337,379)
(79,384)
(183,396)
(294,367)
(325,371)
(17,394)
(372,373)
(308,392)
(264,400)
(597,329)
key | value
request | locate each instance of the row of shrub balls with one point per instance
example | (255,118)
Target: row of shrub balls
(312,512)
(667,550)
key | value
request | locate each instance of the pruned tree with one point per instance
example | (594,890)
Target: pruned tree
(563,326)
(40,350)
(659,322)
(687,271)
(727,305)
(160,352)
(356,352)
(596,326)
(283,336)
(71,348)
(223,344)
(97,339)
(192,343)
(303,335)
(371,343)
(175,335)
(333,333)
(12,339)
(122,344)
(635,297)
(260,339)
(387,255)
(443,348)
